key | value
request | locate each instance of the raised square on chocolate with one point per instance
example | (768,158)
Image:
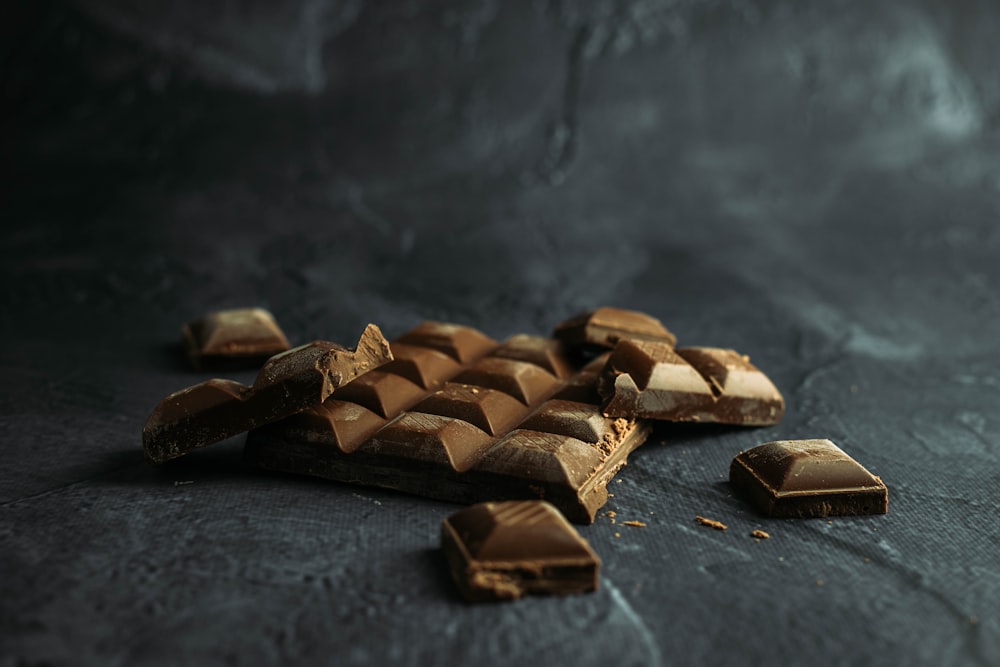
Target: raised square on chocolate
(806,478)
(465,419)
(506,550)
(289,382)
(237,338)
(604,327)
(651,379)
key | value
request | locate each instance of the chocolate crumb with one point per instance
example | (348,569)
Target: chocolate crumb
(718,525)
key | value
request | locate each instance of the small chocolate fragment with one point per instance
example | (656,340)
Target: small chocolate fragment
(288,383)
(710,523)
(233,339)
(457,416)
(506,550)
(604,327)
(806,478)
(648,379)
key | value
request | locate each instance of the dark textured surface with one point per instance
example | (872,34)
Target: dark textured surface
(814,184)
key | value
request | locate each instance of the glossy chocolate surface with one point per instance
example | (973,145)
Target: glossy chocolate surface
(505,550)
(459,417)
(231,339)
(649,379)
(806,478)
(604,327)
(288,383)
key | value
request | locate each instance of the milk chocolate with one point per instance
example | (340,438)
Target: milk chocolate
(506,550)
(233,339)
(288,383)
(604,327)
(650,379)
(806,478)
(457,416)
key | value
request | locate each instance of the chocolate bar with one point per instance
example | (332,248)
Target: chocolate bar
(503,551)
(232,339)
(806,478)
(288,383)
(604,327)
(650,379)
(457,416)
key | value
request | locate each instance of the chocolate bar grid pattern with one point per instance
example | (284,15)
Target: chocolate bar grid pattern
(458,417)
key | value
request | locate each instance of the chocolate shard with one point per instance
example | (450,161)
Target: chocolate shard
(465,419)
(604,327)
(806,478)
(233,339)
(288,383)
(652,380)
(506,550)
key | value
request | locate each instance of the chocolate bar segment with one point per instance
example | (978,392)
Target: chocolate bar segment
(232,339)
(506,550)
(512,421)
(288,383)
(604,327)
(806,478)
(696,384)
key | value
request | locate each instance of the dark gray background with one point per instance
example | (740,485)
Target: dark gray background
(814,184)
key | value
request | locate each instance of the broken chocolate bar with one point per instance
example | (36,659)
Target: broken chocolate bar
(289,382)
(457,417)
(604,327)
(232,339)
(652,380)
(503,551)
(806,478)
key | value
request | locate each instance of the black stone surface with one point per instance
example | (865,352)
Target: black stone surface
(815,184)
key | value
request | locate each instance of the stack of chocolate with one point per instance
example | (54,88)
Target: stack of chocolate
(445,411)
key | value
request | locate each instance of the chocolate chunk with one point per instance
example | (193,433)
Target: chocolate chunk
(459,417)
(604,327)
(701,384)
(233,339)
(506,550)
(288,383)
(806,478)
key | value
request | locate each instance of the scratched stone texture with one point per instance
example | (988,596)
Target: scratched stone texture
(815,184)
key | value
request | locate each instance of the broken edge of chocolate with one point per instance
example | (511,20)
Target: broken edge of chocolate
(506,550)
(652,380)
(806,478)
(233,339)
(288,383)
(603,328)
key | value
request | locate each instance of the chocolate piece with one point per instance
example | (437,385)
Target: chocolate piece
(458,417)
(701,384)
(288,383)
(806,478)
(239,338)
(503,551)
(710,523)
(604,327)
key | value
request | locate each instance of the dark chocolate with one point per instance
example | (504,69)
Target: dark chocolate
(506,550)
(288,383)
(806,478)
(604,327)
(652,380)
(233,339)
(458,417)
